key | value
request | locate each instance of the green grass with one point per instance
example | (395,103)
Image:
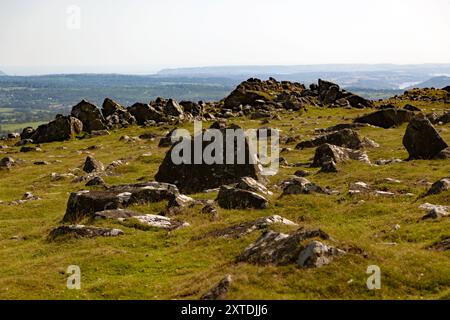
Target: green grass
(12,127)
(155,264)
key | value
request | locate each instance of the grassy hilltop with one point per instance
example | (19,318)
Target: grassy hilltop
(156,264)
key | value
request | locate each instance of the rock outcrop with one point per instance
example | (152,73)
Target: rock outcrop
(327,152)
(89,115)
(386,118)
(60,129)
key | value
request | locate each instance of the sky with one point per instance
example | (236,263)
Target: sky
(143,36)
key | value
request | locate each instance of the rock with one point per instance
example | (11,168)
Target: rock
(27,133)
(316,254)
(116,214)
(7,162)
(327,151)
(341,126)
(443,154)
(359,187)
(302,173)
(129,139)
(41,163)
(444,119)
(92,165)
(143,112)
(428,206)
(29,196)
(85,203)
(196,109)
(220,291)
(382,162)
(410,107)
(211,211)
(81,231)
(173,108)
(181,201)
(233,198)
(169,139)
(298,185)
(111,107)
(435,213)
(328,92)
(96,181)
(359,102)
(60,129)
(99,133)
(30,149)
(279,248)
(442,245)
(329,166)
(421,139)
(148,136)
(439,186)
(23,142)
(56,176)
(343,138)
(160,222)
(242,229)
(250,184)
(13,135)
(386,118)
(191,177)
(89,115)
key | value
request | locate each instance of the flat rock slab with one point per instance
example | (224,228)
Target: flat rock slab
(244,228)
(160,222)
(234,198)
(327,152)
(81,231)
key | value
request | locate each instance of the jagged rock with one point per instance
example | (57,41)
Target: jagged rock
(343,138)
(96,181)
(329,92)
(111,107)
(250,184)
(89,115)
(60,129)
(115,164)
(386,118)
(244,228)
(7,162)
(92,165)
(439,186)
(220,291)
(85,203)
(191,177)
(233,198)
(27,133)
(173,108)
(299,185)
(421,139)
(279,248)
(193,108)
(81,231)
(211,211)
(143,112)
(327,151)
(316,254)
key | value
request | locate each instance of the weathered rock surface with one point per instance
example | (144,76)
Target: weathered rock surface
(316,254)
(230,197)
(300,185)
(60,129)
(85,203)
(327,151)
(220,291)
(386,118)
(190,177)
(92,165)
(439,186)
(89,115)
(81,231)
(283,249)
(7,162)
(144,112)
(160,222)
(421,139)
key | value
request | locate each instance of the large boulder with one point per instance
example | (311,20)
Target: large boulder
(329,92)
(234,198)
(283,249)
(27,133)
(92,165)
(439,186)
(196,176)
(60,129)
(89,115)
(219,291)
(299,185)
(86,203)
(327,152)
(144,112)
(173,108)
(422,140)
(386,118)
(111,107)
(116,115)
(344,138)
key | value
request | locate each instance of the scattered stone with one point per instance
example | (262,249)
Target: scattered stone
(359,187)
(30,149)
(250,184)
(81,231)
(57,176)
(300,185)
(211,211)
(92,165)
(344,138)
(144,112)
(442,245)
(439,186)
(96,181)
(316,254)
(41,163)
(422,140)
(7,162)
(338,154)
(411,108)
(233,198)
(160,222)
(220,291)
(329,166)
(302,173)
(386,118)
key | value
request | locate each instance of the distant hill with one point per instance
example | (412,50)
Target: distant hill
(435,82)
(2,73)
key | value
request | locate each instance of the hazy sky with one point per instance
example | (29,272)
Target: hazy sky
(141,36)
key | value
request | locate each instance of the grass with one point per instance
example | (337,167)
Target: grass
(155,264)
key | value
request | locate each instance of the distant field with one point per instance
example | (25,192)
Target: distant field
(17,127)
